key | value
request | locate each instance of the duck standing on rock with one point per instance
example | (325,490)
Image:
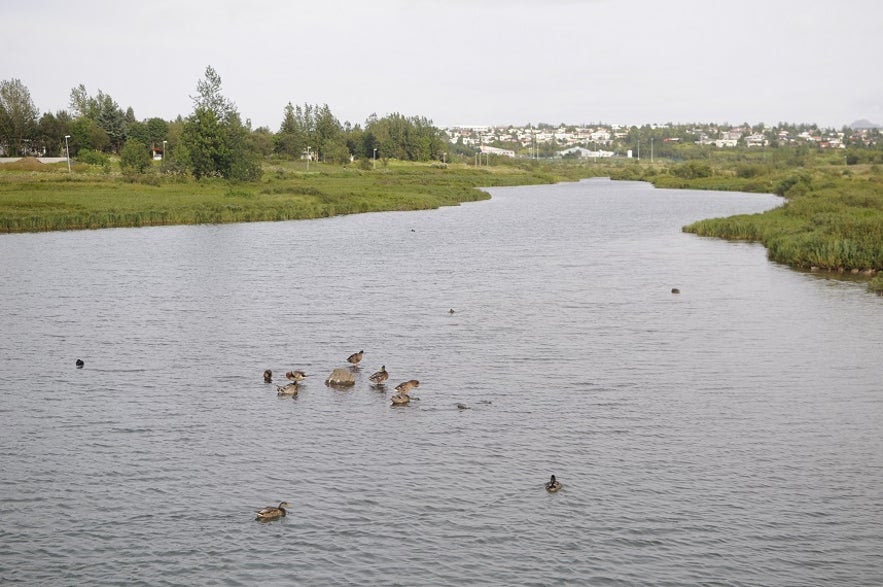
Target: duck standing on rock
(553,485)
(355,358)
(272,513)
(380,377)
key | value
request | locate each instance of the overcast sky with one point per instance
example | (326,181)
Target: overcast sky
(462,62)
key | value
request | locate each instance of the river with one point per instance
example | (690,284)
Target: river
(729,434)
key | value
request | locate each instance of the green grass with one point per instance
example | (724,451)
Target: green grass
(51,199)
(832,221)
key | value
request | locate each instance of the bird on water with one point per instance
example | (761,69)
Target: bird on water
(380,377)
(553,485)
(80,363)
(296,376)
(287,389)
(272,513)
(268,376)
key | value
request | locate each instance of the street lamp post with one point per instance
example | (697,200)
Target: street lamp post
(164,151)
(67,151)
(375,158)
(309,156)
(651,149)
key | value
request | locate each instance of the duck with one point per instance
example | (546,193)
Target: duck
(400,399)
(287,389)
(380,377)
(80,363)
(268,376)
(406,386)
(296,376)
(553,485)
(272,513)
(403,389)
(355,358)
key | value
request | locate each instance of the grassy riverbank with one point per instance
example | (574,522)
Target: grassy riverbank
(36,197)
(832,220)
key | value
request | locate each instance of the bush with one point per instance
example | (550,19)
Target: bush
(692,170)
(90,157)
(135,157)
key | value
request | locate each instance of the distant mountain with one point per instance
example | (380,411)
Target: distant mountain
(861,124)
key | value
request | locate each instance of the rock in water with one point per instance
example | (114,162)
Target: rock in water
(341,376)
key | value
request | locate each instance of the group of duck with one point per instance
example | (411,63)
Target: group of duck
(275,512)
(377,380)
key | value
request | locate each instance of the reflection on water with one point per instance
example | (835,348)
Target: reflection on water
(729,434)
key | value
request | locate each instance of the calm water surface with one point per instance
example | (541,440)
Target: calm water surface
(729,435)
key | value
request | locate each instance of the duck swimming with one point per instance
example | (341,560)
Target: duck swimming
(355,358)
(380,377)
(80,363)
(553,485)
(272,513)
(287,389)
(296,376)
(268,376)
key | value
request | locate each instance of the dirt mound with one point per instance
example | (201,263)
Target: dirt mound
(25,164)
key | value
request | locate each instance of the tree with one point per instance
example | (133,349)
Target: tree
(399,137)
(209,95)
(86,134)
(51,130)
(291,140)
(104,111)
(134,157)
(214,142)
(18,115)
(157,131)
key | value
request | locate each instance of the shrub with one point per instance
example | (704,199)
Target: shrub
(135,157)
(692,170)
(91,157)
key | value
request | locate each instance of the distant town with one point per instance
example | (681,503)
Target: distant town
(611,140)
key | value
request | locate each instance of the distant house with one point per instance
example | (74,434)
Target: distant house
(157,153)
(586,153)
(495,151)
(756,140)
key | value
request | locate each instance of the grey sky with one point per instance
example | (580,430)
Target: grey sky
(469,62)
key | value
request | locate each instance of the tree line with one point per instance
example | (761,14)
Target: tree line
(212,141)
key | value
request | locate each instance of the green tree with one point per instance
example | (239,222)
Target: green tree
(134,157)
(410,138)
(291,140)
(214,142)
(86,134)
(138,131)
(18,116)
(157,131)
(51,130)
(104,111)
